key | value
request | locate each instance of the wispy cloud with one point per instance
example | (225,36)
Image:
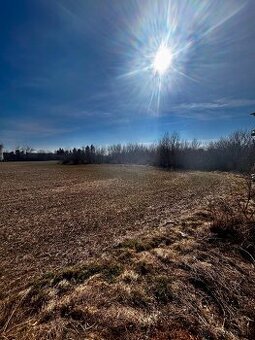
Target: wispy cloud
(32,83)
(38,128)
(33,129)
(208,111)
(217,104)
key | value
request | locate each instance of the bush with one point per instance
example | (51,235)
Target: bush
(234,221)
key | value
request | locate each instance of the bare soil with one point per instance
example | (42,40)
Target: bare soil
(111,251)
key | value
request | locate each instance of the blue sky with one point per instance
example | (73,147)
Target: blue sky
(79,72)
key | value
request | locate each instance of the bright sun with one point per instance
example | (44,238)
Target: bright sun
(162,60)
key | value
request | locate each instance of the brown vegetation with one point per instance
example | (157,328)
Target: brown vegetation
(231,153)
(109,252)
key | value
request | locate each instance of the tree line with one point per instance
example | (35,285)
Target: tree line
(232,153)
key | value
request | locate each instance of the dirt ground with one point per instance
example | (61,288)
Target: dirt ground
(54,217)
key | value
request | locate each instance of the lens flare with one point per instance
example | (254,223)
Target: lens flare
(168,46)
(163,60)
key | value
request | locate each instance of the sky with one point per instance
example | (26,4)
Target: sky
(78,72)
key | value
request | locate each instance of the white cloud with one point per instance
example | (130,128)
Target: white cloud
(217,104)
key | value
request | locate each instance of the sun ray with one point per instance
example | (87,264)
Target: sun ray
(166,38)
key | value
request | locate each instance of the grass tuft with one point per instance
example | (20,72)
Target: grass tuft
(161,289)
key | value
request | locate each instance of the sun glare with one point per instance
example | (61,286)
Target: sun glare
(164,45)
(162,60)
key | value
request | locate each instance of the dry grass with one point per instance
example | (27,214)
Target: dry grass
(109,252)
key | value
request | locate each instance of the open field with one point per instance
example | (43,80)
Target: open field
(111,251)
